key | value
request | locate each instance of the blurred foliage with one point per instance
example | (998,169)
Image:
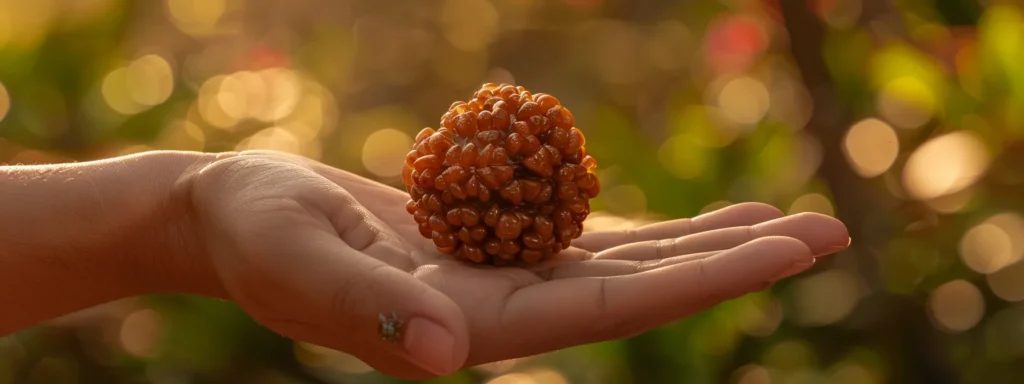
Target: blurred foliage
(688,106)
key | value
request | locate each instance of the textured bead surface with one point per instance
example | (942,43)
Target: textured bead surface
(505,179)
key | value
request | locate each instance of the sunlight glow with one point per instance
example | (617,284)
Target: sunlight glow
(945,165)
(956,306)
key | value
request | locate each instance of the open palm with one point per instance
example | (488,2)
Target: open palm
(609,284)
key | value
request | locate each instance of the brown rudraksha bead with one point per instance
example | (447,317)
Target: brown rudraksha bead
(505,179)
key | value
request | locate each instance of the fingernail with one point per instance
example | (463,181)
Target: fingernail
(431,346)
(835,248)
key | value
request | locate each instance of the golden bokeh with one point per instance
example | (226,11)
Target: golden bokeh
(825,298)
(314,115)
(280,90)
(142,84)
(871,147)
(812,202)
(234,93)
(956,306)
(944,165)
(1013,224)
(196,17)
(150,80)
(384,152)
(115,91)
(744,100)
(994,243)
(141,333)
(1008,282)
(791,103)
(267,95)
(209,103)
(270,95)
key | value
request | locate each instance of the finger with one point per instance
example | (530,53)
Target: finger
(608,267)
(732,216)
(822,234)
(362,230)
(330,294)
(612,267)
(585,310)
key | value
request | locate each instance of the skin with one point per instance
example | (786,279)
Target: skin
(317,254)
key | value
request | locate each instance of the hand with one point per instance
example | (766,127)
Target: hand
(316,254)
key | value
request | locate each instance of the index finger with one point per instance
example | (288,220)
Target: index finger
(738,215)
(584,310)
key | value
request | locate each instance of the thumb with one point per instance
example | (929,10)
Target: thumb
(380,314)
(396,312)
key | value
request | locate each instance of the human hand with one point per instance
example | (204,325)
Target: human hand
(316,254)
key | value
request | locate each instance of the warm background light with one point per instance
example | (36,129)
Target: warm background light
(825,298)
(957,305)
(994,243)
(744,100)
(903,121)
(871,147)
(945,164)
(812,202)
(384,152)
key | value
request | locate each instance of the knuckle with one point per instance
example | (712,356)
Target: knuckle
(613,323)
(642,265)
(705,294)
(664,248)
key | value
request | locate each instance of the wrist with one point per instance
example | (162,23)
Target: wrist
(184,266)
(151,245)
(77,235)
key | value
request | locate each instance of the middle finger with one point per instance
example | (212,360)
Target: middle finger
(822,234)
